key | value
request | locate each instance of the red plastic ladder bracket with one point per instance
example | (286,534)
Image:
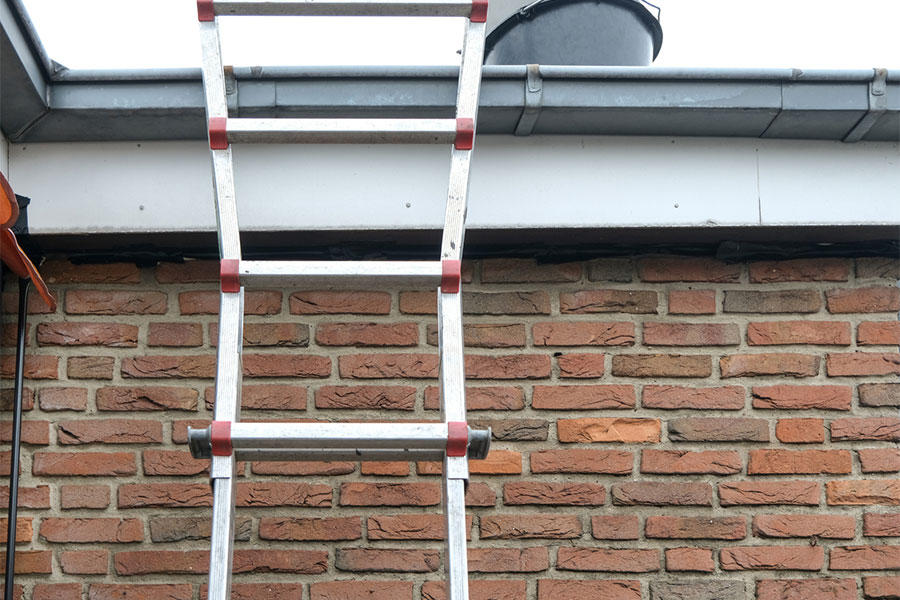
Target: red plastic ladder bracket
(218,133)
(220,438)
(479,11)
(451,274)
(465,134)
(457,438)
(205,10)
(229,275)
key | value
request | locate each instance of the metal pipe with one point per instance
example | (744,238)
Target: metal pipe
(16,442)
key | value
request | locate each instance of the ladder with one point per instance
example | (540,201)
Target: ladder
(227,440)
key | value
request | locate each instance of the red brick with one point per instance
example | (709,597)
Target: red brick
(270,493)
(497,462)
(772,461)
(690,559)
(878,267)
(863,363)
(802,397)
(801,269)
(791,526)
(36,367)
(112,335)
(90,367)
(609,429)
(553,494)
(164,495)
(24,529)
(879,334)
(502,589)
(670,397)
(885,429)
(83,496)
(110,431)
(147,562)
(654,493)
(798,589)
(879,394)
(783,333)
(480,303)
(176,529)
(68,398)
(206,302)
(104,302)
(581,366)
(661,365)
(286,365)
(144,399)
(30,562)
(609,301)
(879,460)
(261,591)
(9,304)
(280,561)
(695,528)
(524,270)
(692,302)
(390,494)
(583,333)
(632,560)
(667,269)
(57,272)
(172,462)
(682,462)
(31,432)
(81,531)
(864,558)
(583,397)
(616,527)
(123,591)
(386,560)
(482,398)
(310,529)
(486,335)
(266,397)
(718,430)
(84,562)
(303,468)
(72,464)
(782,558)
(781,301)
(862,493)
(515,366)
(340,303)
(531,526)
(691,334)
(7,399)
(360,590)
(367,334)
(508,560)
(562,589)
(800,431)
(57,591)
(612,462)
(410,527)
(881,524)
(169,367)
(267,334)
(189,271)
(384,469)
(367,397)
(389,366)
(756,365)
(881,588)
(175,334)
(29,497)
(863,300)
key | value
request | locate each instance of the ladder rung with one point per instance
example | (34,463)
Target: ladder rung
(344,8)
(352,454)
(336,131)
(330,274)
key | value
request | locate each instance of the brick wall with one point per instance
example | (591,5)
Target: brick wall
(664,428)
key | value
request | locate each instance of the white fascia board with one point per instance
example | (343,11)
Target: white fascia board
(536,182)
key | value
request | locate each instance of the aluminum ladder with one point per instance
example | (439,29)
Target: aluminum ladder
(227,441)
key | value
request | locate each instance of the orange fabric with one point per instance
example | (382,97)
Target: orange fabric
(10,251)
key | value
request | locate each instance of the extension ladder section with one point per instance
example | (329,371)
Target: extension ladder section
(227,440)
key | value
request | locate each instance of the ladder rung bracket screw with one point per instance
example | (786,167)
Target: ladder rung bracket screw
(229,275)
(220,438)
(206,11)
(479,11)
(457,438)
(451,274)
(465,134)
(218,133)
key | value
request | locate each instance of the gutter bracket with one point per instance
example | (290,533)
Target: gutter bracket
(231,92)
(534,95)
(877,107)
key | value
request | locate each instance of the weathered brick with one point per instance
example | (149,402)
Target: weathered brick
(776,461)
(797,589)
(530,526)
(261,591)
(879,394)
(127,591)
(57,591)
(609,429)
(553,494)
(878,267)
(410,527)
(24,529)
(782,301)
(760,365)
(390,494)
(610,269)
(482,398)
(85,531)
(690,559)
(387,560)
(172,462)
(481,303)
(286,365)
(9,304)
(521,270)
(111,335)
(865,558)
(56,271)
(611,462)
(31,432)
(862,493)
(189,271)
(692,302)
(367,334)
(879,460)
(283,494)
(144,399)
(791,526)
(303,468)
(881,588)
(508,560)
(176,335)
(145,562)
(718,430)
(696,528)
(691,334)
(206,302)
(36,367)
(367,397)
(479,589)
(878,333)
(632,560)
(310,529)
(30,562)
(497,462)
(863,300)
(72,464)
(388,366)
(751,493)
(109,431)
(7,399)
(515,366)
(671,397)
(661,365)
(616,527)
(340,302)
(176,529)
(609,301)
(885,429)
(486,335)
(562,589)
(863,363)
(352,590)
(67,398)
(783,333)
(514,430)
(104,302)
(583,397)
(583,333)
(682,462)
(800,269)
(655,493)
(169,367)
(800,431)
(802,397)
(671,268)
(881,524)
(386,468)
(256,335)
(581,366)
(29,497)
(266,397)
(164,495)
(83,496)
(781,558)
